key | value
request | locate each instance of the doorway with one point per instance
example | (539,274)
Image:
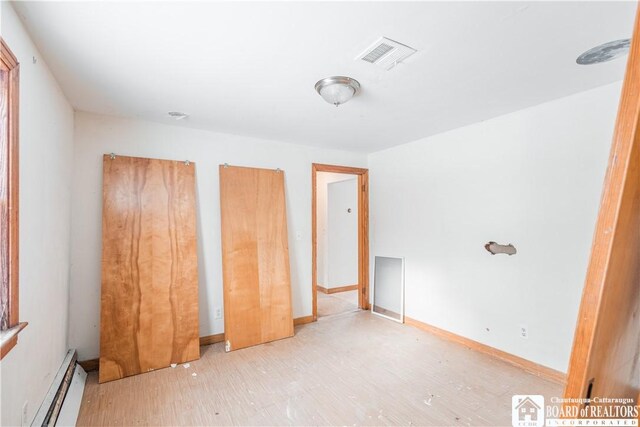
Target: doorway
(340,242)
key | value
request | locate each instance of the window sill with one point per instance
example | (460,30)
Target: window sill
(9,338)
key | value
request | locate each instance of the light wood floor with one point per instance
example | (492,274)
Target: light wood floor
(350,369)
(338,303)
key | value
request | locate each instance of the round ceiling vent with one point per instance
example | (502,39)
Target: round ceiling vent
(604,52)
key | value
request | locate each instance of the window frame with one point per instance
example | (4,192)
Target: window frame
(10,323)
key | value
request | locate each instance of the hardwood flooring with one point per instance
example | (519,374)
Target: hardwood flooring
(338,303)
(353,368)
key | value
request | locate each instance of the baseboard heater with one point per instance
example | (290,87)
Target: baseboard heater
(61,405)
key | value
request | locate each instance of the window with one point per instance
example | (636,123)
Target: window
(9,80)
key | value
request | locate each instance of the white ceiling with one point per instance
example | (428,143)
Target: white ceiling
(250,68)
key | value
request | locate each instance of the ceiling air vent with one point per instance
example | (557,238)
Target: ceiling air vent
(386,53)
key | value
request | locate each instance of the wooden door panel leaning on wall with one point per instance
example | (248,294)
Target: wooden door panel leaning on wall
(605,361)
(255,257)
(149,312)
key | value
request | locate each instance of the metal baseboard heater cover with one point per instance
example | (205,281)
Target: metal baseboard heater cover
(54,401)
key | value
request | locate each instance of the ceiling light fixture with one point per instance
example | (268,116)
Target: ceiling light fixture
(604,52)
(337,90)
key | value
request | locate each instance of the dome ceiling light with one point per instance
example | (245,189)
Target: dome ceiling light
(338,89)
(604,52)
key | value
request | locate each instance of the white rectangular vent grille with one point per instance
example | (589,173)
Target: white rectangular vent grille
(377,53)
(386,53)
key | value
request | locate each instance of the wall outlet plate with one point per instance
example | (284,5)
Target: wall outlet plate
(25,413)
(218,313)
(524,332)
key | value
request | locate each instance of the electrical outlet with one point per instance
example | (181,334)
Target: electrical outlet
(25,413)
(524,332)
(218,313)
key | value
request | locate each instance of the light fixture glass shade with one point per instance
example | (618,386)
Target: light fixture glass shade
(337,94)
(337,90)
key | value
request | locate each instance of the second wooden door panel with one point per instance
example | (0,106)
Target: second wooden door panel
(255,255)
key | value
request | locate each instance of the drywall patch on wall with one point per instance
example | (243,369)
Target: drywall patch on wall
(96,135)
(497,248)
(46,161)
(436,202)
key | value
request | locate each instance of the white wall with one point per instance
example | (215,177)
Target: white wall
(96,135)
(532,178)
(323,179)
(342,233)
(46,154)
